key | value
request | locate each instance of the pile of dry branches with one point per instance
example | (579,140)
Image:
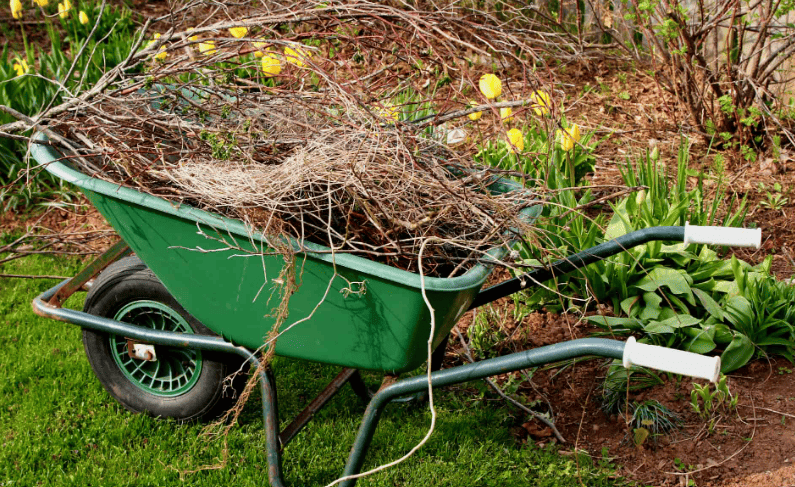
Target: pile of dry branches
(328,123)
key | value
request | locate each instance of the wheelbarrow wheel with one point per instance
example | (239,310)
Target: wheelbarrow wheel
(179,383)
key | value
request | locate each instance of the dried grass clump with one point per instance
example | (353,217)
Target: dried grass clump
(362,187)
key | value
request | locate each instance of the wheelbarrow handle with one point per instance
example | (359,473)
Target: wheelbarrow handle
(670,360)
(739,237)
(733,237)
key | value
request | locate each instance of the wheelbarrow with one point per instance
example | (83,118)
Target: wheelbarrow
(163,327)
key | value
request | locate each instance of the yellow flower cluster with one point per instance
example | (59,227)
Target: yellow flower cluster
(389,111)
(21,67)
(260,48)
(208,48)
(161,55)
(541,103)
(491,87)
(271,63)
(297,55)
(64,8)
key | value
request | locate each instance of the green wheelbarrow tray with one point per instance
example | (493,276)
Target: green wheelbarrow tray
(349,311)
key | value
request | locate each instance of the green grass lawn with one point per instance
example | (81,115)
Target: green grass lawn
(59,427)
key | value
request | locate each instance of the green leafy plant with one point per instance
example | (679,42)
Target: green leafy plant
(710,403)
(654,417)
(485,332)
(33,91)
(543,162)
(774,199)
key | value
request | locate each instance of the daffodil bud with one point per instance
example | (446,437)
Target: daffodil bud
(654,155)
(64,8)
(16,9)
(541,103)
(207,48)
(490,86)
(474,116)
(640,197)
(238,32)
(516,140)
(21,67)
(271,66)
(297,55)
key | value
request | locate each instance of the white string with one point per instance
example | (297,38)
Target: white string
(430,387)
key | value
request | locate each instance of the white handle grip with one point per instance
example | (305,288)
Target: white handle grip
(733,237)
(670,360)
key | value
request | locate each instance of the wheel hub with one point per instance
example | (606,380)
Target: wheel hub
(170,371)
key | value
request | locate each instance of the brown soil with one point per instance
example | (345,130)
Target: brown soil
(753,445)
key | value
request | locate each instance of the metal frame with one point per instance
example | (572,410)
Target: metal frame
(48,304)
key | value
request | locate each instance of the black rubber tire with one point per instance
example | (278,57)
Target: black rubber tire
(129,280)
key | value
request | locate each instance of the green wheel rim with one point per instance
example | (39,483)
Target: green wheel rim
(176,370)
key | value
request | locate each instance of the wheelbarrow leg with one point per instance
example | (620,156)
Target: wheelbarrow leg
(270,416)
(114,253)
(324,397)
(466,373)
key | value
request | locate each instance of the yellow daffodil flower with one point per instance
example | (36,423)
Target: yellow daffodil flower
(474,115)
(191,38)
(490,86)
(541,103)
(16,9)
(568,137)
(150,43)
(260,48)
(238,32)
(21,67)
(63,9)
(506,114)
(271,66)
(389,111)
(207,48)
(297,55)
(516,140)
(41,3)
(83,18)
